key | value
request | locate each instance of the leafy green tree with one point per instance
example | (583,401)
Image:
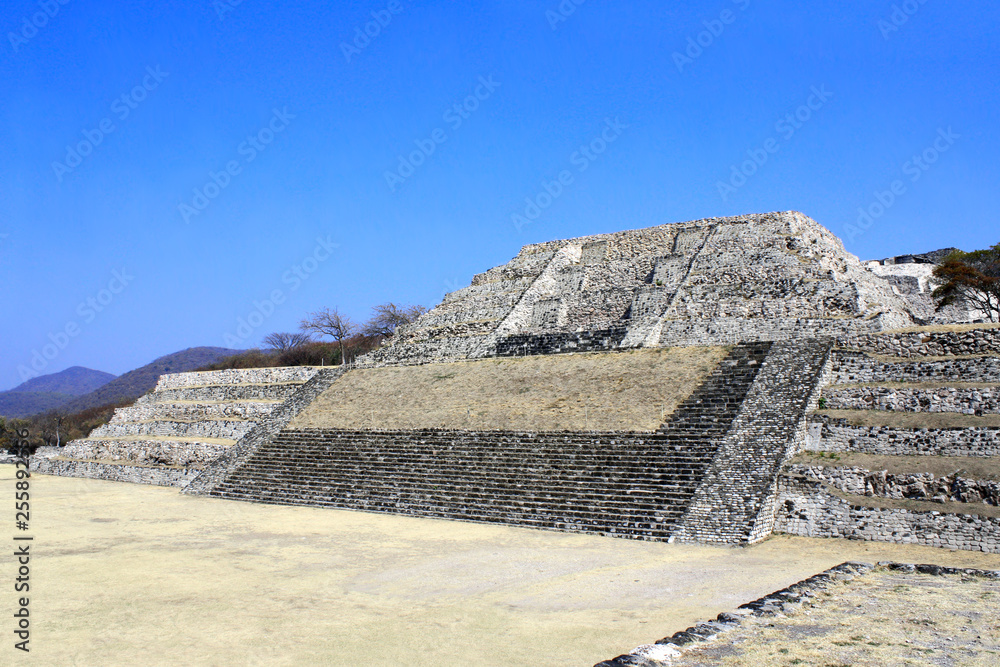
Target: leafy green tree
(971,279)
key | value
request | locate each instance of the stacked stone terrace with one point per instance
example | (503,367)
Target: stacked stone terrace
(630,484)
(167,436)
(905,446)
(722,280)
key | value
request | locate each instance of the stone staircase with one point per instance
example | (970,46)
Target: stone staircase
(186,422)
(634,485)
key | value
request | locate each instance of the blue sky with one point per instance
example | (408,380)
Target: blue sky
(213,155)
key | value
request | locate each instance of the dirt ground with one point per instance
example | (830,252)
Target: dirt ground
(126,574)
(634,390)
(881,618)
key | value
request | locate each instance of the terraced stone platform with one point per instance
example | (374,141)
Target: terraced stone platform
(622,484)
(167,436)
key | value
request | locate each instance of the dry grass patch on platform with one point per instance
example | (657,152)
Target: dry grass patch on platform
(633,390)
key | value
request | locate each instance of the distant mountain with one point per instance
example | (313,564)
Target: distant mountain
(49,392)
(75,381)
(27,403)
(135,383)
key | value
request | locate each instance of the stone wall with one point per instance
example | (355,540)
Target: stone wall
(735,501)
(851,367)
(983,341)
(915,486)
(964,400)
(262,432)
(838,435)
(259,376)
(141,452)
(805,508)
(113,472)
(771,276)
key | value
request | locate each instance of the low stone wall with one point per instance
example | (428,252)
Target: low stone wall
(926,343)
(194,411)
(851,367)
(919,486)
(805,508)
(277,375)
(226,392)
(724,330)
(838,435)
(230,429)
(116,473)
(142,452)
(964,400)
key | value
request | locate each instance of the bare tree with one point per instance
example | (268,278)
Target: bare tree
(387,317)
(330,322)
(971,279)
(282,342)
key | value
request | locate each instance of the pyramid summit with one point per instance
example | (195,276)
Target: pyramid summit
(769,276)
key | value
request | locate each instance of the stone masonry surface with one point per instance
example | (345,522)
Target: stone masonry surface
(770,276)
(966,400)
(920,486)
(734,503)
(859,368)
(806,508)
(838,435)
(114,473)
(926,343)
(621,484)
(186,422)
(263,432)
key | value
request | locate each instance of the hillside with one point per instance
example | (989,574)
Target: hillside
(75,381)
(48,392)
(27,403)
(137,382)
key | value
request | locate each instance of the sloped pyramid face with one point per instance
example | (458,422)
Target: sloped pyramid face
(769,276)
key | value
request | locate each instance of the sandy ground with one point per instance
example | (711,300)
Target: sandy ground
(633,390)
(135,575)
(882,618)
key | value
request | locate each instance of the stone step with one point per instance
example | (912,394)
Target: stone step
(217,393)
(208,428)
(180,411)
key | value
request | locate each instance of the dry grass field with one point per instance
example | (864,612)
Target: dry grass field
(127,574)
(633,390)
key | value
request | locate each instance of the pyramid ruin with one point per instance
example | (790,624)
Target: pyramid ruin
(709,381)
